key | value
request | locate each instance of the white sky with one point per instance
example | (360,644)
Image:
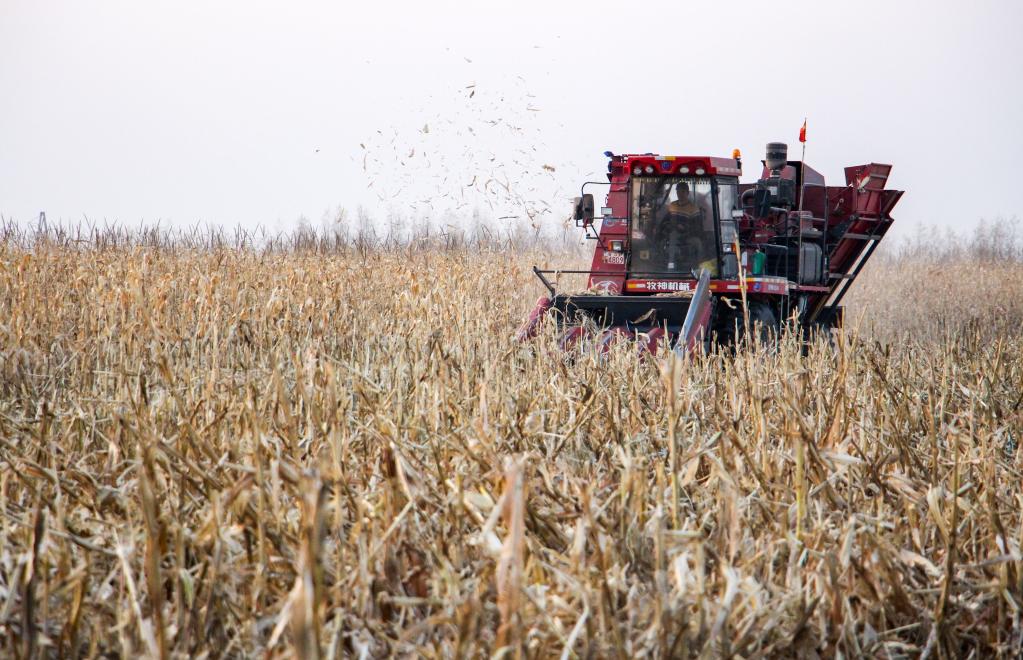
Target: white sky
(213,111)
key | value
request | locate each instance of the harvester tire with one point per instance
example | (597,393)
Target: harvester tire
(731,328)
(763,322)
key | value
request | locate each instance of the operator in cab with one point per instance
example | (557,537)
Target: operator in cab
(683,207)
(679,232)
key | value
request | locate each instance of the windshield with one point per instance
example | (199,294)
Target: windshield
(672,226)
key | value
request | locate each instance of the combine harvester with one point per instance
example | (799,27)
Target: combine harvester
(684,250)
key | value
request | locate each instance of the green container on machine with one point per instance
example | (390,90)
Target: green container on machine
(759,261)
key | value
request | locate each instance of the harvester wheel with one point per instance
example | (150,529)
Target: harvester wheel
(763,322)
(731,329)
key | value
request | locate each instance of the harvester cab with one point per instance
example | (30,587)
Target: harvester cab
(681,243)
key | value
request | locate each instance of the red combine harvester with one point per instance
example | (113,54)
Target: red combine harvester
(681,242)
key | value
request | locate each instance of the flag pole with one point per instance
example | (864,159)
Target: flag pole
(799,225)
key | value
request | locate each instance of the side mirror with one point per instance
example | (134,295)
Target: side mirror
(584,209)
(761,203)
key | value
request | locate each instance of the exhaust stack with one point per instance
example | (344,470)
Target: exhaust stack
(777,156)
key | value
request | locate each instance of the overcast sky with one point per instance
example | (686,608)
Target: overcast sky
(258,113)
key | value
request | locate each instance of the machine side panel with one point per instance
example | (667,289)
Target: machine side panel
(608,265)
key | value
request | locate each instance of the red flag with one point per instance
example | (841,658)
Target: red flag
(802,132)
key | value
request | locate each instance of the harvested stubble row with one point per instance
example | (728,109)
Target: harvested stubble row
(234,453)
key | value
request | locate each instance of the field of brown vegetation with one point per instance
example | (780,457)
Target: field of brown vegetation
(216,451)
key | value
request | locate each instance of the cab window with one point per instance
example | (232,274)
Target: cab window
(672,227)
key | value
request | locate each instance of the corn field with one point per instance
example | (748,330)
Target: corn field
(229,451)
